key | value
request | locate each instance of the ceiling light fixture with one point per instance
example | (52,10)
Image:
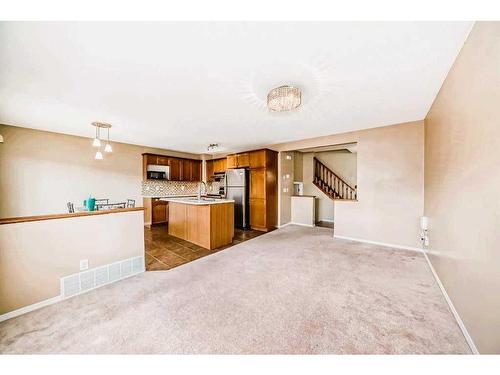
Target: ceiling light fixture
(97,140)
(283,98)
(212,147)
(108,147)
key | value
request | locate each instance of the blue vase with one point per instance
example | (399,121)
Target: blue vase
(91,204)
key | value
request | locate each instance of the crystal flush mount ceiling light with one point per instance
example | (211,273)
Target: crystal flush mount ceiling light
(283,98)
(97,140)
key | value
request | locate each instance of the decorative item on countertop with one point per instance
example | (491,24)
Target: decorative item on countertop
(90,203)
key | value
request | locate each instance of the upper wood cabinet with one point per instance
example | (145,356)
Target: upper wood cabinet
(238,160)
(175,169)
(243,160)
(185,170)
(258,159)
(220,165)
(215,166)
(180,169)
(209,166)
(196,170)
(162,160)
(232,162)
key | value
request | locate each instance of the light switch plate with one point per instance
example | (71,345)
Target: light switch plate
(84,264)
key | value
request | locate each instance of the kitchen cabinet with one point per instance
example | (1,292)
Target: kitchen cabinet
(232,162)
(175,169)
(162,160)
(258,183)
(215,166)
(220,165)
(155,211)
(263,189)
(258,159)
(196,170)
(152,159)
(258,214)
(238,160)
(209,167)
(207,225)
(180,169)
(159,213)
(185,170)
(243,160)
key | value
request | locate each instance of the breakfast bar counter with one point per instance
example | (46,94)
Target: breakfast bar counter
(206,222)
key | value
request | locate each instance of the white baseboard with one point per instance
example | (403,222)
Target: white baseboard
(402,247)
(60,297)
(27,309)
(326,220)
(299,224)
(460,323)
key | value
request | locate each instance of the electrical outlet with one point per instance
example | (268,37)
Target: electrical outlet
(84,264)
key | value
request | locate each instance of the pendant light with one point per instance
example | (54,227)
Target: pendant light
(108,147)
(97,140)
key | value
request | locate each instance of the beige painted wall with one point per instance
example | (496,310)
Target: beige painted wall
(462,185)
(41,171)
(298,166)
(390,183)
(285,168)
(35,255)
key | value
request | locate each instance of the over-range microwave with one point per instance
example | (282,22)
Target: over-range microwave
(152,175)
(158,172)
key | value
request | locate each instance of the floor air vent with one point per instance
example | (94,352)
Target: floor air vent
(94,278)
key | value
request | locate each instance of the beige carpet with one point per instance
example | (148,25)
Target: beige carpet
(295,290)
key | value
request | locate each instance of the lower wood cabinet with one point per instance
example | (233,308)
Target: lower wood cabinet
(155,211)
(160,212)
(258,214)
(209,226)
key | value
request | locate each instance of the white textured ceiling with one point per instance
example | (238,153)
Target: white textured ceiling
(184,85)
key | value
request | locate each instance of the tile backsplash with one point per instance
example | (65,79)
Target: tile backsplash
(152,188)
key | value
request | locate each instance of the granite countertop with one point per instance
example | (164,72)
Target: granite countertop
(196,201)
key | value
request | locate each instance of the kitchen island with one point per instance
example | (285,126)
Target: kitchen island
(206,222)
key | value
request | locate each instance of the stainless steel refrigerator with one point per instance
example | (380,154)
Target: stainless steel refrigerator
(237,189)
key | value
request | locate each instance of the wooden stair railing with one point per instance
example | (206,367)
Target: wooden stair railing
(331,184)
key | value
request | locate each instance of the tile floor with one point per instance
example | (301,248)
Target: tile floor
(164,251)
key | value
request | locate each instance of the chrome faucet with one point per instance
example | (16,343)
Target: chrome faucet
(199,189)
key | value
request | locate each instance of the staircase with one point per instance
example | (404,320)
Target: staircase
(331,184)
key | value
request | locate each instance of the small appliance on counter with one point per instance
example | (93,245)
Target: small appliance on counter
(158,172)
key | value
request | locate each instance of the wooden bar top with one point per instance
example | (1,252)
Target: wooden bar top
(23,219)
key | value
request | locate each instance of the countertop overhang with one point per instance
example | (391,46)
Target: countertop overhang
(23,219)
(201,202)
